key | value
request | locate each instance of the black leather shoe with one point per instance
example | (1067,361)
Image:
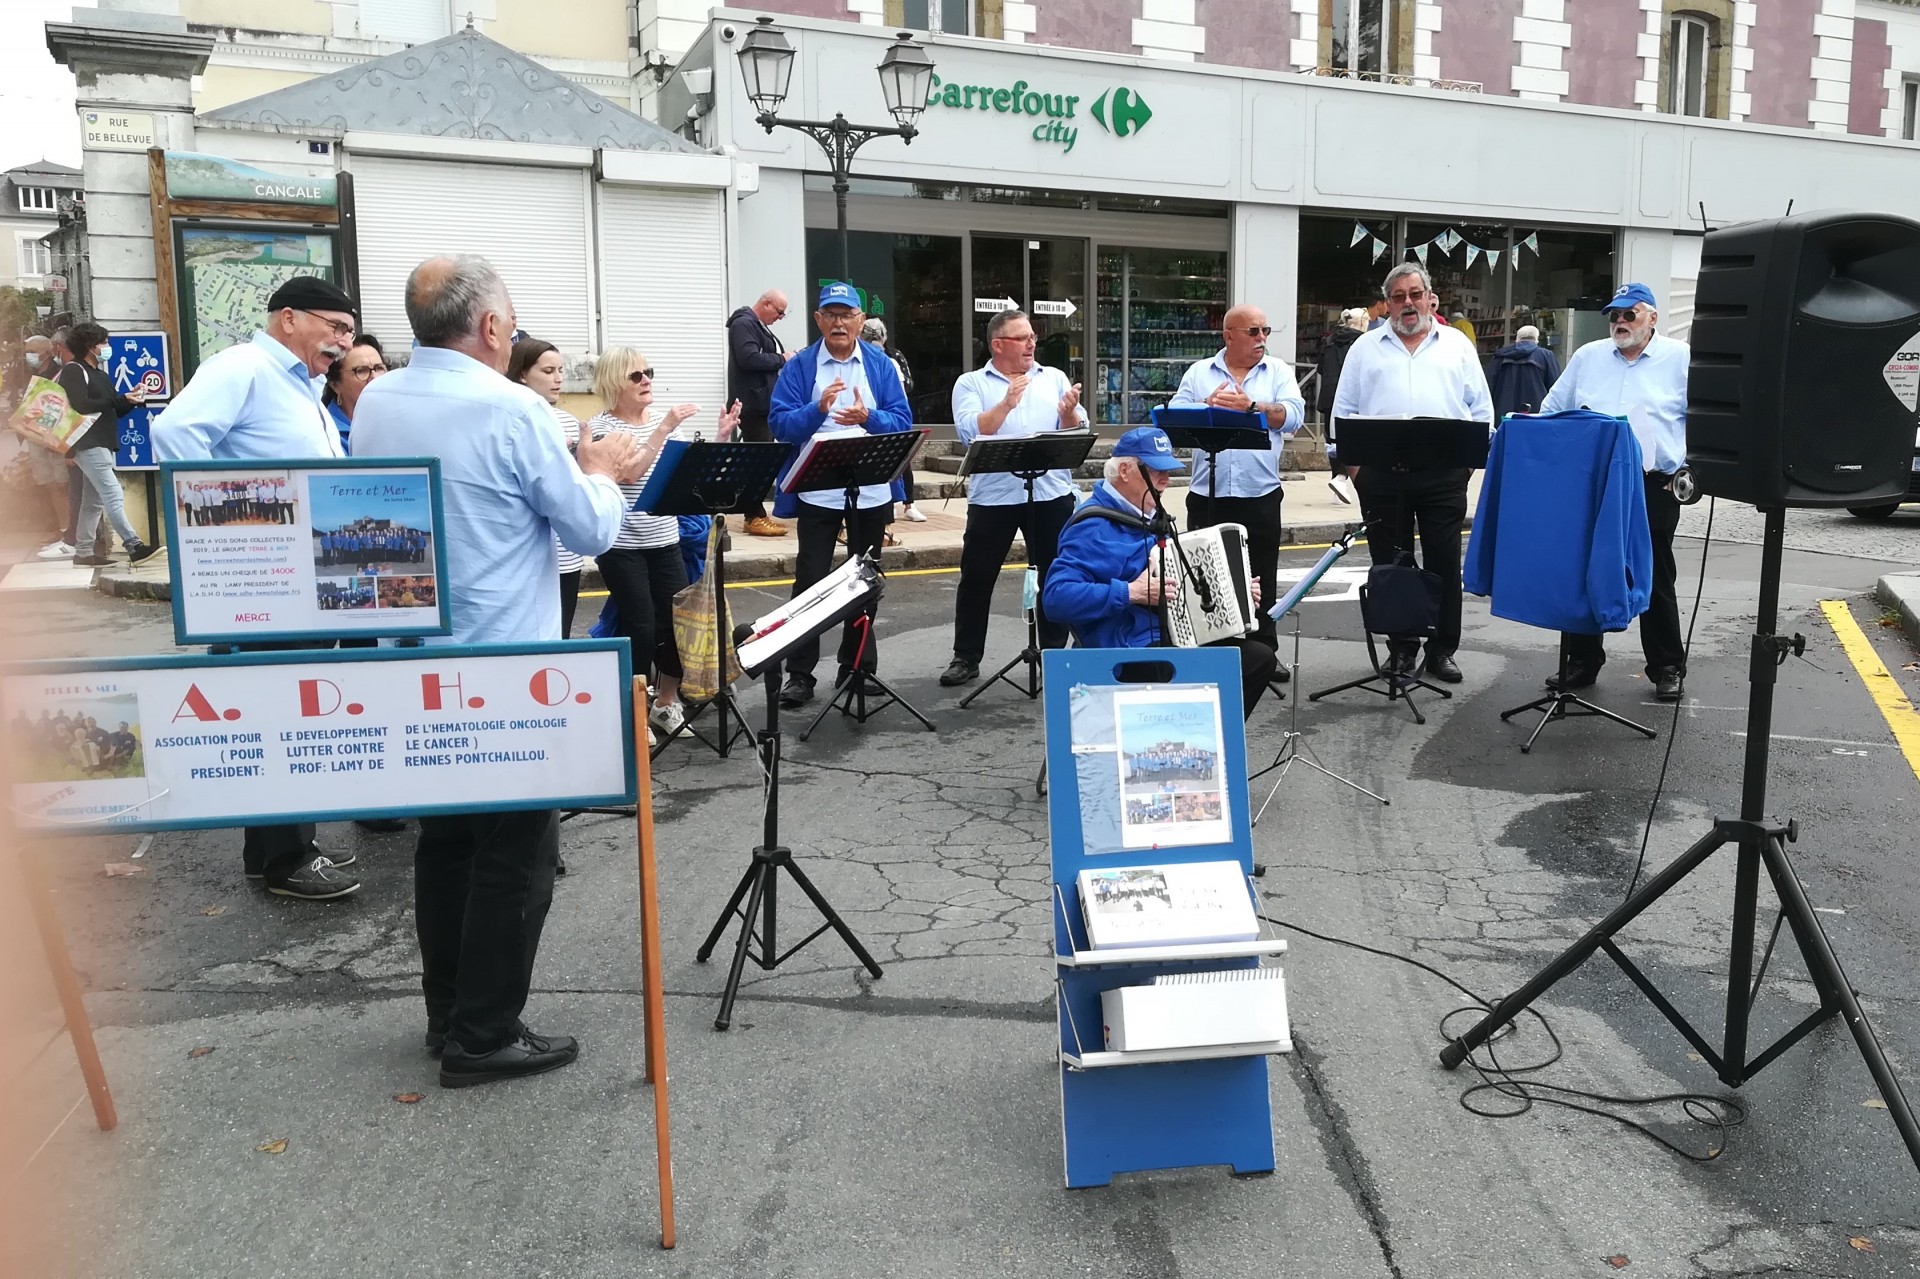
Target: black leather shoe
(959,671)
(1668,685)
(529,1054)
(798,691)
(1281,675)
(379,826)
(1579,675)
(1441,666)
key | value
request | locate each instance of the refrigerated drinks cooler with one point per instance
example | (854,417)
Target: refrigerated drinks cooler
(1158,311)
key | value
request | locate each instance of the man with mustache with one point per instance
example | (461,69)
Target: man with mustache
(1635,373)
(261,400)
(1247,491)
(1412,367)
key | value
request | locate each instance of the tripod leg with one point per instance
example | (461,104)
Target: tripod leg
(833,919)
(833,699)
(1571,958)
(760,874)
(733,904)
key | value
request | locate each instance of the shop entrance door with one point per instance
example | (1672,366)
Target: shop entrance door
(1046,278)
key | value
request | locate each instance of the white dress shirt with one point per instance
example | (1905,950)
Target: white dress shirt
(1038,411)
(1243,472)
(1441,377)
(507,483)
(854,373)
(255,400)
(1650,392)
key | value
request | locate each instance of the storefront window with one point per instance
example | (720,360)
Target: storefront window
(1562,287)
(1159,310)
(1468,262)
(1342,261)
(912,282)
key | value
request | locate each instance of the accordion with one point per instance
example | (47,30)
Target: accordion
(1218,557)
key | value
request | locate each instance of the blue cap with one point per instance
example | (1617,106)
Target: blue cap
(840,293)
(1150,447)
(1628,295)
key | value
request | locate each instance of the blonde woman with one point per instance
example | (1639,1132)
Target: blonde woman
(644,571)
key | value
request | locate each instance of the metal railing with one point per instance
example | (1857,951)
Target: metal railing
(1385,77)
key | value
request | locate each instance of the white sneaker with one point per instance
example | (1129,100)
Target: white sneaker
(912,512)
(56,551)
(652,741)
(668,719)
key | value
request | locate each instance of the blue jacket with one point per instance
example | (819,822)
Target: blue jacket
(1087,584)
(795,413)
(1561,538)
(1520,377)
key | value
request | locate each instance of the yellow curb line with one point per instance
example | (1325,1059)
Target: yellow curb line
(1878,681)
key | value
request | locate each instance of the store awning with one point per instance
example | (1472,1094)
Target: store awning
(462,86)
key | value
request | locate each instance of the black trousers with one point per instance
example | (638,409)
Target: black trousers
(482,883)
(1660,640)
(818,527)
(643,583)
(754,428)
(274,852)
(1261,517)
(1436,502)
(990,531)
(569,600)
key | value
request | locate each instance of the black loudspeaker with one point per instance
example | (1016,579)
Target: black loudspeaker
(1805,380)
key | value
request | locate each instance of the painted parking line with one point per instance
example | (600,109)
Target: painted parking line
(1817,741)
(1877,680)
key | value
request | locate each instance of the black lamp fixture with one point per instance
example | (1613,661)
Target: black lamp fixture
(906,76)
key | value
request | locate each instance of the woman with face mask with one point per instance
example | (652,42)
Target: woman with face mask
(89,388)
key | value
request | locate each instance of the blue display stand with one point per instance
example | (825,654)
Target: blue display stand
(1171,1108)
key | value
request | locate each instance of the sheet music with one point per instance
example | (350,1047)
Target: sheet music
(779,630)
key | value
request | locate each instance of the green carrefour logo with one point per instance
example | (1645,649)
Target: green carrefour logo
(1120,111)
(1130,111)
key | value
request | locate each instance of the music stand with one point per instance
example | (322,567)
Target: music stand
(1029,457)
(712,478)
(848,462)
(759,886)
(1294,748)
(1404,444)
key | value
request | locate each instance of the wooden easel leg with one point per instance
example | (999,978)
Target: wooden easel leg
(67,982)
(653,994)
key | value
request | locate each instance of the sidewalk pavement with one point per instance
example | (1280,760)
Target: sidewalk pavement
(1312,515)
(1901,592)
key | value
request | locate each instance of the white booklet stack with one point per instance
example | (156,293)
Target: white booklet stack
(1188,903)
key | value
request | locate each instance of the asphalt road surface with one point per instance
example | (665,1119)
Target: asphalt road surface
(909,1126)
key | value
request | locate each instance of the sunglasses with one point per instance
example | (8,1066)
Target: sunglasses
(640,375)
(1621,317)
(1256,330)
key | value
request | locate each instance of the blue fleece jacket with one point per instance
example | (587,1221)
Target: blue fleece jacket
(795,413)
(1087,584)
(1560,539)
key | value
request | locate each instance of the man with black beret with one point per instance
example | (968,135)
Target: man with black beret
(261,400)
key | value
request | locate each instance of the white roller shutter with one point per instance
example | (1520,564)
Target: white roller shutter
(663,286)
(530,223)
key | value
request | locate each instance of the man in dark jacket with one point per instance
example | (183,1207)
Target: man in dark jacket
(1522,374)
(754,360)
(1333,354)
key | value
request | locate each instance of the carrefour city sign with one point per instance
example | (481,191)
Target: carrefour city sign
(1119,110)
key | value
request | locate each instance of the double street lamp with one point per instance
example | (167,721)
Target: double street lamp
(906,74)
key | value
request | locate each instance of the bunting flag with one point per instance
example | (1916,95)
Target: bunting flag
(1449,238)
(1473,251)
(1493,257)
(1420,251)
(1379,248)
(1359,234)
(1533,242)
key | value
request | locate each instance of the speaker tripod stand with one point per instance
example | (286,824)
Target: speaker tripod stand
(1759,844)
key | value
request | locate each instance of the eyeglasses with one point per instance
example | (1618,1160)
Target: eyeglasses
(1256,330)
(1418,295)
(1622,316)
(366,373)
(640,375)
(1023,339)
(339,329)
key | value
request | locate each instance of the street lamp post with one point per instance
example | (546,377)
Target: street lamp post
(906,73)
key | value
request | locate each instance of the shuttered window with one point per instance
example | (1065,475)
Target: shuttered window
(530,223)
(663,283)
(407,21)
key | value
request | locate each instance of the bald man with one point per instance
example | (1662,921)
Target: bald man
(1246,491)
(754,360)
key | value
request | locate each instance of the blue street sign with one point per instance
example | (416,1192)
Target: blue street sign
(139,362)
(136,439)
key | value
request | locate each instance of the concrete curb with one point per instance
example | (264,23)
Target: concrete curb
(753,564)
(1902,591)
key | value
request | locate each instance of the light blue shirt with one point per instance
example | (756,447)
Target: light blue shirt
(1039,410)
(507,482)
(851,371)
(1441,377)
(1650,392)
(1243,472)
(255,400)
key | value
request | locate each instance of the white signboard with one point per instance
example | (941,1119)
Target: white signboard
(178,742)
(307,550)
(1902,373)
(116,131)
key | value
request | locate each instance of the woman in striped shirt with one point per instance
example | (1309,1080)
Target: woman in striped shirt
(644,571)
(539,366)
